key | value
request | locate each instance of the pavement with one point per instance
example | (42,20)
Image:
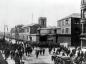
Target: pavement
(42,59)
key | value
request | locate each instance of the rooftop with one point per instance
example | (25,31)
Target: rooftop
(73,15)
(28,25)
(48,28)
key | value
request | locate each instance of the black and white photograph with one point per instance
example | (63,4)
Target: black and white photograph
(42,31)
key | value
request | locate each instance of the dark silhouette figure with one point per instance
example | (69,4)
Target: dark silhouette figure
(37,53)
(43,51)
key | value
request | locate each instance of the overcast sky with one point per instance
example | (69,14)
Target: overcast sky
(13,12)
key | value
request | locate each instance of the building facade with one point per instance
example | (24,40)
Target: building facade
(68,29)
(42,22)
(83,22)
(47,35)
(26,33)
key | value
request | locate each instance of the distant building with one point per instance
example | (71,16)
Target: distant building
(19,29)
(42,22)
(26,33)
(47,35)
(83,22)
(14,33)
(30,32)
(69,29)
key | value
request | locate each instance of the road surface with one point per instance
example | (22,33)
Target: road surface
(42,59)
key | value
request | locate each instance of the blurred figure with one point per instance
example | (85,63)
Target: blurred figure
(7,53)
(17,59)
(37,53)
(40,51)
(2,61)
(50,49)
(43,51)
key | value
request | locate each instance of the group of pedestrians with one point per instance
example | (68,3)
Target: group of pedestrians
(76,55)
(39,51)
(16,52)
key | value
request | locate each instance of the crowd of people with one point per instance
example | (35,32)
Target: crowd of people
(17,51)
(76,55)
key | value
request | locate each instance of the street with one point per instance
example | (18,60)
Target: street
(42,59)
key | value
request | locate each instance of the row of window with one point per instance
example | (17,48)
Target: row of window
(66,30)
(64,22)
(27,37)
(63,31)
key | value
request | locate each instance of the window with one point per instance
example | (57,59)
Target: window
(59,23)
(66,21)
(27,29)
(62,31)
(27,37)
(84,13)
(67,30)
(58,30)
(63,23)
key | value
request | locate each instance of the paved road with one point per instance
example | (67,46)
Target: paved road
(46,59)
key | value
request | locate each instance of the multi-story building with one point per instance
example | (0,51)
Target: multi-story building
(30,32)
(47,35)
(83,22)
(26,33)
(68,29)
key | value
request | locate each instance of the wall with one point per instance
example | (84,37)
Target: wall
(84,43)
(62,25)
(63,39)
(34,37)
(75,31)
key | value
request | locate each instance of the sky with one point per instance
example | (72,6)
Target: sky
(14,12)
